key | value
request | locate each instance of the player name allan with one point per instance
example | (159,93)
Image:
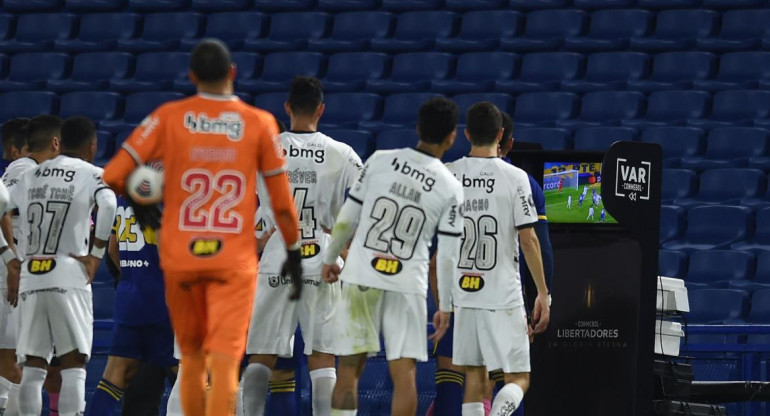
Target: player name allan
(405,192)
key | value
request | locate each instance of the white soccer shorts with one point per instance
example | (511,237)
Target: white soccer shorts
(274,318)
(57,316)
(366,312)
(9,322)
(496,339)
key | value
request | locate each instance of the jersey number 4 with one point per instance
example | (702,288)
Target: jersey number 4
(406,224)
(202,185)
(479,245)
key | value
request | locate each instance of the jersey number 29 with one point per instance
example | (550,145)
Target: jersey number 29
(405,222)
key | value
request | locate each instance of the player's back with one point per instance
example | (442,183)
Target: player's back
(10,178)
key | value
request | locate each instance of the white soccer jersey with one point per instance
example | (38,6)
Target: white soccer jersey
(498,201)
(320,171)
(55,201)
(407,196)
(11,177)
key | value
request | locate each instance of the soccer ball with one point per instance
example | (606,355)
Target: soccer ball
(145,185)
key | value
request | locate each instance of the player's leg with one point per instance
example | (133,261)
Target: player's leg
(110,390)
(317,318)
(52,385)
(282,388)
(323,377)
(34,347)
(72,398)
(467,353)
(10,374)
(449,377)
(475,391)
(403,372)
(510,396)
(507,350)
(256,383)
(345,395)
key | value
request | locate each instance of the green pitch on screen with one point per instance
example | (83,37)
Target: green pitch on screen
(558,211)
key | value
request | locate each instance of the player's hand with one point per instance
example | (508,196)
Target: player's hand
(541,315)
(262,241)
(440,326)
(146,215)
(14,275)
(330,272)
(91,263)
(293,268)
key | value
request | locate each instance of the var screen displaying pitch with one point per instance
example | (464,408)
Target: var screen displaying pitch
(573,193)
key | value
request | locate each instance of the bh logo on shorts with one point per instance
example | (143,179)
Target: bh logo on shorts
(471,283)
(309,250)
(205,247)
(41,266)
(388,267)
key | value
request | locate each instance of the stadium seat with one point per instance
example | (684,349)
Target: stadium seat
(729,147)
(676,142)
(280,68)
(671,222)
(400,112)
(121,136)
(668,4)
(30,70)
(154,71)
(233,28)
(31,6)
(546,30)
(412,72)
(460,148)
(738,71)
(503,102)
(476,4)
(138,106)
(611,30)
(290,32)
(105,147)
(4,63)
(760,240)
(164,31)
(677,30)
(283,5)
(712,227)
(672,108)
(736,108)
(97,106)
(761,280)
(602,137)
(482,30)
(93,71)
(715,306)
(157,5)
(672,263)
(542,109)
(678,184)
(247,64)
(361,141)
(549,138)
(100,32)
(347,5)
(417,31)
(540,4)
(7,23)
(104,301)
(543,71)
(760,308)
(473,76)
(274,103)
(37,32)
(606,108)
(94,5)
(726,186)
(348,72)
(345,110)
(741,30)
(603,4)
(606,71)
(411,5)
(27,104)
(396,139)
(352,31)
(676,71)
(221,5)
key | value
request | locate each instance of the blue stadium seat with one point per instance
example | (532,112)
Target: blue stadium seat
(715,306)
(247,64)
(477,72)
(611,30)
(396,139)
(602,137)
(105,147)
(347,5)
(546,30)
(4,64)
(729,147)
(676,142)
(538,5)
(715,268)
(603,4)
(761,280)
(676,71)
(410,5)
(31,6)
(233,28)
(606,108)
(543,71)
(284,5)
(97,106)
(154,71)
(104,301)
(412,72)
(280,68)
(290,32)
(504,102)
(672,108)
(760,240)
(157,5)
(221,5)
(482,30)
(738,71)
(95,5)
(93,71)
(361,141)
(672,263)
(31,70)
(121,136)
(726,186)
(27,104)
(400,112)
(7,23)
(549,138)
(476,4)
(712,227)
(606,71)
(741,30)
(460,148)
(733,4)
(668,4)
(138,106)
(100,32)
(417,31)
(542,109)
(164,31)
(671,222)
(677,30)
(736,108)
(37,32)
(760,307)
(344,110)
(352,31)
(348,72)
(678,184)
(274,103)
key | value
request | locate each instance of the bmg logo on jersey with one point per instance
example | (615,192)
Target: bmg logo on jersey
(68,175)
(228,123)
(488,184)
(632,179)
(388,267)
(205,247)
(41,266)
(471,283)
(425,179)
(318,155)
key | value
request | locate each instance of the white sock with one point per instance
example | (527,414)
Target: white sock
(239,401)
(323,381)
(12,408)
(507,400)
(31,391)
(338,412)
(473,409)
(72,397)
(255,382)
(5,391)
(174,406)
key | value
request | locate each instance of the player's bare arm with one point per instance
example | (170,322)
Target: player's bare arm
(530,246)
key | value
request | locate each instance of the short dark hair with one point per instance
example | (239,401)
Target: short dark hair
(484,122)
(507,127)
(77,132)
(210,61)
(11,129)
(305,95)
(41,130)
(436,119)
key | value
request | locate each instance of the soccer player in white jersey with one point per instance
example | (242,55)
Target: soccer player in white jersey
(590,213)
(55,200)
(402,198)
(569,201)
(490,321)
(320,170)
